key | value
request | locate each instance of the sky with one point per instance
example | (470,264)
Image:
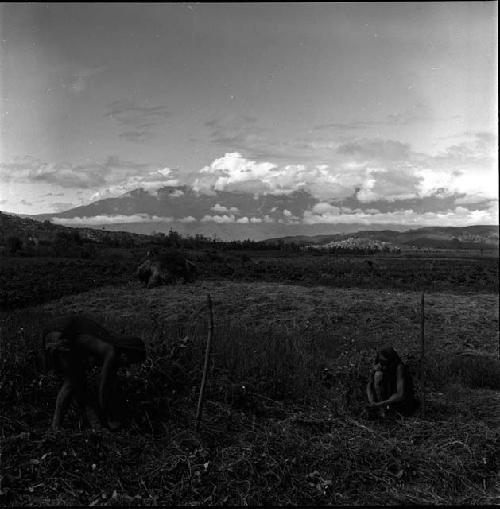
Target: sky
(377,103)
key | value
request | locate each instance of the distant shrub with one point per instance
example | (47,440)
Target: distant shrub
(14,245)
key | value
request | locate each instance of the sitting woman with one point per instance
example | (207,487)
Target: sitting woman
(390,387)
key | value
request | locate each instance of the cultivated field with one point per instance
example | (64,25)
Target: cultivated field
(284,420)
(33,280)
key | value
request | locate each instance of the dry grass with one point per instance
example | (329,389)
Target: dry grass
(277,428)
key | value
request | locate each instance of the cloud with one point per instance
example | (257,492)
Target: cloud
(233,172)
(68,175)
(139,122)
(235,131)
(138,136)
(29,169)
(469,167)
(389,185)
(218,219)
(221,208)
(376,150)
(109,219)
(187,219)
(459,216)
(109,178)
(372,170)
(150,181)
(418,113)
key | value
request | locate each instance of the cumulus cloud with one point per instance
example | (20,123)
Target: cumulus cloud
(459,216)
(390,185)
(149,181)
(232,219)
(187,219)
(221,208)
(233,172)
(109,219)
(218,219)
(370,169)
(469,167)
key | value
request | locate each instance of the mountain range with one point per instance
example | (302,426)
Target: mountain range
(228,215)
(223,214)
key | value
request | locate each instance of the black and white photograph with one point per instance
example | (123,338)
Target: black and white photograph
(249,254)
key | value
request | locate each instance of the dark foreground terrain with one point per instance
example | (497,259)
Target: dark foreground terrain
(283,421)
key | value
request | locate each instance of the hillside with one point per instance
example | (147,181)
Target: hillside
(467,237)
(26,228)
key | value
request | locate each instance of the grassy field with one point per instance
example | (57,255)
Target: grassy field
(283,421)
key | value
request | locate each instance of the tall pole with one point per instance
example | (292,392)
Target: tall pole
(422,351)
(205,367)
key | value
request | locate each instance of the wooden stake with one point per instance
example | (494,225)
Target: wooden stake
(205,367)
(422,351)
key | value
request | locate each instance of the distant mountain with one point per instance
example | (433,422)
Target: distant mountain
(224,215)
(25,227)
(238,216)
(181,202)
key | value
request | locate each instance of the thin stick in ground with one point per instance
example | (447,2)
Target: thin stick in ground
(205,367)
(422,352)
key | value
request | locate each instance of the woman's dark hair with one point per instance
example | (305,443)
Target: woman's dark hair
(390,354)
